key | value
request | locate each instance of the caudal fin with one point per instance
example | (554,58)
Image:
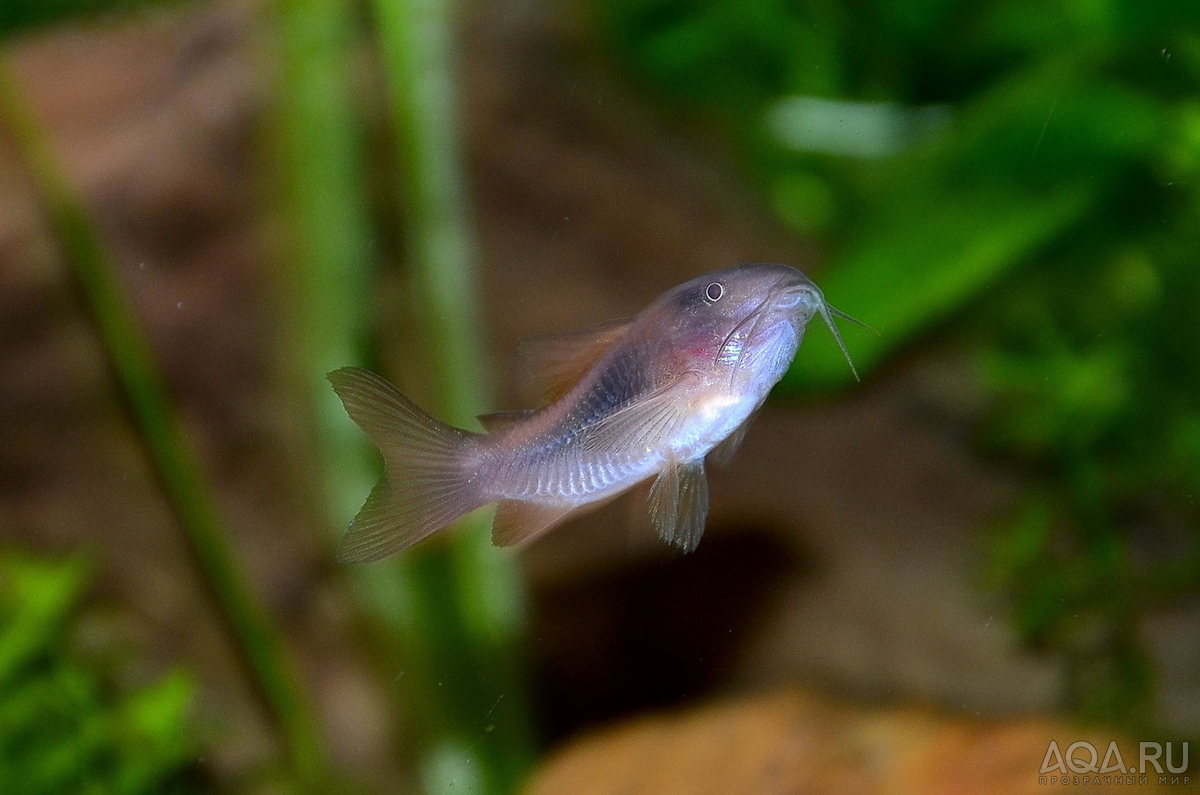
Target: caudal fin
(425,485)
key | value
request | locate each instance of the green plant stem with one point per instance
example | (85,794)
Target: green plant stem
(175,462)
(319,155)
(465,610)
(457,673)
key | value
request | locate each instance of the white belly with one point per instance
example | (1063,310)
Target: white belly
(715,417)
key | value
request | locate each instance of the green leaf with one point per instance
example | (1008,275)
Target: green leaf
(922,261)
(37,598)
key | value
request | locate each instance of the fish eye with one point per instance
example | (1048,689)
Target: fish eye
(714,291)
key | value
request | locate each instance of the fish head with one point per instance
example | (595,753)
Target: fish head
(745,323)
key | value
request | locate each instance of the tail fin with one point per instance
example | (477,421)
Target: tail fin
(426,483)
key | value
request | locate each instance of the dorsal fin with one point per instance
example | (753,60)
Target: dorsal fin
(503,419)
(557,362)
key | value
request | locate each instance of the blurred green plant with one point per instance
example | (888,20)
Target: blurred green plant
(452,614)
(62,727)
(1098,394)
(467,608)
(447,615)
(153,415)
(1029,173)
(18,15)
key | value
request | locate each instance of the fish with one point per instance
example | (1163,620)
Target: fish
(624,401)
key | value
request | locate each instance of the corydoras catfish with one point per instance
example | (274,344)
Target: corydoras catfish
(624,401)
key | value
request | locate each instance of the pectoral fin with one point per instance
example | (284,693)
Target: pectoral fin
(679,504)
(556,363)
(643,424)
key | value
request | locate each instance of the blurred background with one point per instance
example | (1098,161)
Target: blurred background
(909,584)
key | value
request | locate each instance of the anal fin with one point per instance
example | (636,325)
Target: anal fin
(518,521)
(503,419)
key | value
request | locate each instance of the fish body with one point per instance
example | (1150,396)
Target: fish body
(624,401)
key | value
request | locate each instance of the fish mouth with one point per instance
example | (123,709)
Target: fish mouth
(788,293)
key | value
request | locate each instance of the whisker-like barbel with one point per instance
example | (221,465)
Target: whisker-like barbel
(827,314)
(850,319)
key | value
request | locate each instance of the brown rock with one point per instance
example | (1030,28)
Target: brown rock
(790,743)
